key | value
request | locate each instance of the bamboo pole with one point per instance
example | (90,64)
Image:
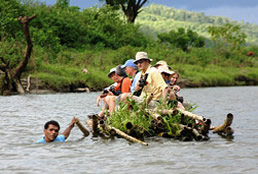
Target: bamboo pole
(165,135)
(129,125)
(156,116)
(229,131)
(197,135)
(191,115)
(206,127)
(128,137)
(93,125)
(89,123)
(168,111)
(186,131)
(227,123)
(102,124)
(82,128)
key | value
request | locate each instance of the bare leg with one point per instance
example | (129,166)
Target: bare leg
(111,101)
(104,108)
(180,105)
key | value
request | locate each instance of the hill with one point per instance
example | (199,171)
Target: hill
(159,18)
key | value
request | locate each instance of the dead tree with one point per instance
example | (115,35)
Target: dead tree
(11,81)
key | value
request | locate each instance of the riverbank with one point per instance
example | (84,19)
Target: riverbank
(67,79)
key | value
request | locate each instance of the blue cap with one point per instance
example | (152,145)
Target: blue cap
(130,63)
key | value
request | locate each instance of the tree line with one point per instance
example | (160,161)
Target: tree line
(60,27)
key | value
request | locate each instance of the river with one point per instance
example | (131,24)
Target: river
(23,118)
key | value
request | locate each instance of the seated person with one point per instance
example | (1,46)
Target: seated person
(51,130)
(173,80)
(154,84)
(132,70)
(170,78)
(109,89)
(166,73)
(123,86)
(150,81)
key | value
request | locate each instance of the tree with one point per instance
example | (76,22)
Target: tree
(11,81)
(62,3)
(9,10)
(131,8)
(228,35)
(182,39)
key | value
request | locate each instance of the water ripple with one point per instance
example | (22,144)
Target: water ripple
(23,118)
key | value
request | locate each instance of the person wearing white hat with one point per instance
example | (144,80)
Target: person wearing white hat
(166,73)
(161,63)
(170,77)
(154,82)
(107,90)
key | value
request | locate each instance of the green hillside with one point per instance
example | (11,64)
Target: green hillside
(158,18)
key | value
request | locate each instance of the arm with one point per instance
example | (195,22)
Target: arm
(165,92)
(102,95)
(176,88)
(67,131)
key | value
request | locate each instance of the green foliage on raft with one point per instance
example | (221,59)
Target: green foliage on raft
(142,120)
(135,115)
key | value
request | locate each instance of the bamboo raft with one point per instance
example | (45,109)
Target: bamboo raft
(190,127)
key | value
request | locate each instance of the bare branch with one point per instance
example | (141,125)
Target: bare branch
(140,5)
(25,23)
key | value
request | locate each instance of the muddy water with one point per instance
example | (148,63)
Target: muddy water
(22,119)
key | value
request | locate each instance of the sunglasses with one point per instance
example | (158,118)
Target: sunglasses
(139,62)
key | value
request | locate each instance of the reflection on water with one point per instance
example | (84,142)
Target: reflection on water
(23,117)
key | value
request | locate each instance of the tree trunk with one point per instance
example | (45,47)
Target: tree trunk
(11,81)
(132,9)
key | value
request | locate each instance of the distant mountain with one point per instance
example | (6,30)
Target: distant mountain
(156,19)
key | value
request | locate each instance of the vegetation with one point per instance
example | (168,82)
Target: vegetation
(138,122)
(131,8)
(182,39)
(67,40)
(156,19)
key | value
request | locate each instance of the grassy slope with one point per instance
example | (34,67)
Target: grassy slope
(158,18)
(68,75)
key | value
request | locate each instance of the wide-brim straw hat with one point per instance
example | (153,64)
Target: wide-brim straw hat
(162,63)
(164,69)
(141,55)
(113,70)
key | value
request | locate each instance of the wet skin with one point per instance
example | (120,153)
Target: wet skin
(51,133)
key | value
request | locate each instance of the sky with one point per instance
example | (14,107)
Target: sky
(240,10)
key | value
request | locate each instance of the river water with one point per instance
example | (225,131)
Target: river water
(22,119)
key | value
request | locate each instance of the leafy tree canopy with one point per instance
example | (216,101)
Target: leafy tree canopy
(182,39)
(228,35)
(131,8)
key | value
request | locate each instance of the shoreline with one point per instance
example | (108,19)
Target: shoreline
(183,83)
